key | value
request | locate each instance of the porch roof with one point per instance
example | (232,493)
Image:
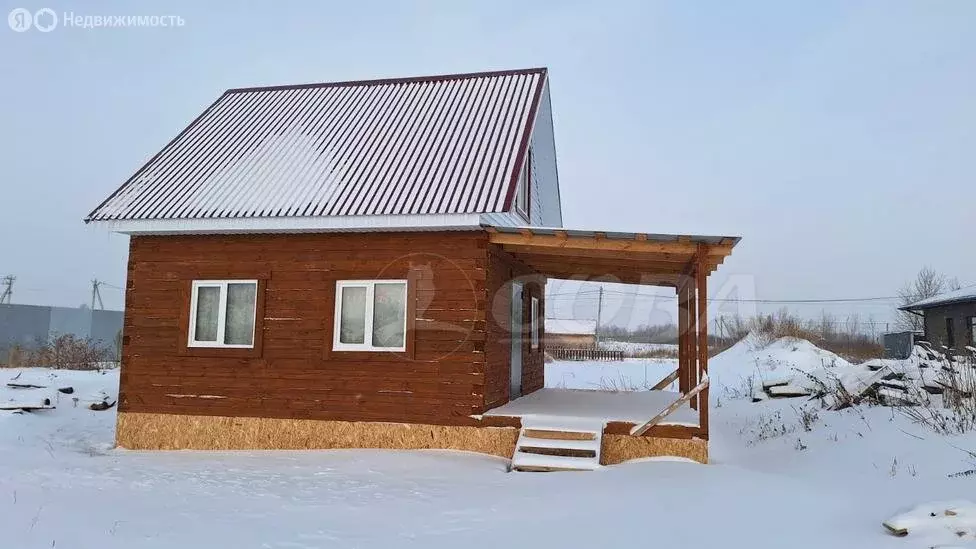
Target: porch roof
(634,258)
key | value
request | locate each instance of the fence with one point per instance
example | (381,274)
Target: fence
(559,353)
(27,325)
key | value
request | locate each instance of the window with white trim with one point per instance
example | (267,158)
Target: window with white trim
(535,322)
(222,313)
(370,315)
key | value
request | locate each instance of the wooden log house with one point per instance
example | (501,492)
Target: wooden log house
(363,264)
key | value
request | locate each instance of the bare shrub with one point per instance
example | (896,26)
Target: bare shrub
(808,417)
(68,352)
(745,389)
(954,411)
(768,427)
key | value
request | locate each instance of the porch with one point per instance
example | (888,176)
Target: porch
(551,419)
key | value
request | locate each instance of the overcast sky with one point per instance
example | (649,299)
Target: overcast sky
(837,138)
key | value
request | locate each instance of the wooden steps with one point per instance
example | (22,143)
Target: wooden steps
(554,447)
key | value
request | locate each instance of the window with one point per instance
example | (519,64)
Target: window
(971,325)
(535,322)
(524,191)
(371,315)
(950,340)
(222,313)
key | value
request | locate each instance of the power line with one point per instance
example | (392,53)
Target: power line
(732,300)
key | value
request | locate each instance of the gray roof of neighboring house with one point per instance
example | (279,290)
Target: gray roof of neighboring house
(427,145)
(961,295)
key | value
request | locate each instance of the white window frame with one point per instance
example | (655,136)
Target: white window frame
(367,344)
(221,314)
(535,323)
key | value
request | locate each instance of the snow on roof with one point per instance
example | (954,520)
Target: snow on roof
(570,326)
(450,144)
(957,296)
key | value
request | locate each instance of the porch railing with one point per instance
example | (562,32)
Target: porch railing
(559,353)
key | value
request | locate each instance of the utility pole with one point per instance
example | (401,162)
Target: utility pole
(599,313)
(8,289)
(96,294)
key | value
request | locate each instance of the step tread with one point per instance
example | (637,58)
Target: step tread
(521,459)
(591,445)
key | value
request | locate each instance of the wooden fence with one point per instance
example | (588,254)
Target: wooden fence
(584,354)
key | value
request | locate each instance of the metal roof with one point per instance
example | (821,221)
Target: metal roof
(616,235)
(962,295)
(426,145)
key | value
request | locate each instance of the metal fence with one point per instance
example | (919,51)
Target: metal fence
(27,325)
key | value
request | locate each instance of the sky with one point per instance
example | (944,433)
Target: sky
(836,137)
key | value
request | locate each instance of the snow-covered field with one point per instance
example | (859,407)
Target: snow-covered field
(774,481)
(631,348)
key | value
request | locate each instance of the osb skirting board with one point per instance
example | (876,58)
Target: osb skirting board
(619,448)
(140,431)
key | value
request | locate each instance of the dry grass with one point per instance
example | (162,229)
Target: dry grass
(662,352)
(64,352)
(954,411)
(847,339)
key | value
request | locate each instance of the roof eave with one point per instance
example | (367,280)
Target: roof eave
(358,223)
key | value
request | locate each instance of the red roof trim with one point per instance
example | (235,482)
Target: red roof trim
(384,81)
(524,146)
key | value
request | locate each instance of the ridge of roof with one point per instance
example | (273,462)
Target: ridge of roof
(385,81)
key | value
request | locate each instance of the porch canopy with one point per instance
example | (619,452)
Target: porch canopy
(682,262)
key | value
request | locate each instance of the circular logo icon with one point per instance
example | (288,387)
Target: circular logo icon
(45,20)
(20,19)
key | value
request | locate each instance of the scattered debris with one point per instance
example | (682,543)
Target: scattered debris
(787,391)
(955,517)
(25,386)
(103,405)
(44,404)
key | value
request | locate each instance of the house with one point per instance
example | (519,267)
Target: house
(949,318)
(363,264)
(570,333)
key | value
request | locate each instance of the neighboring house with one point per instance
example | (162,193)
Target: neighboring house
(949,318)
(570,333)
(363,264)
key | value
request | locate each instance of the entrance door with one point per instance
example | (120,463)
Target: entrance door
(516,331)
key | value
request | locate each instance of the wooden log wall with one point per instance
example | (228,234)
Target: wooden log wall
(293,372)
(502,269)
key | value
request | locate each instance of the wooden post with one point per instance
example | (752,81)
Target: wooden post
(701,281)
(683,364)
(692,335)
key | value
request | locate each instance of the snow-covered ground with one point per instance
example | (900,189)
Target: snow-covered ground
(775,481)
